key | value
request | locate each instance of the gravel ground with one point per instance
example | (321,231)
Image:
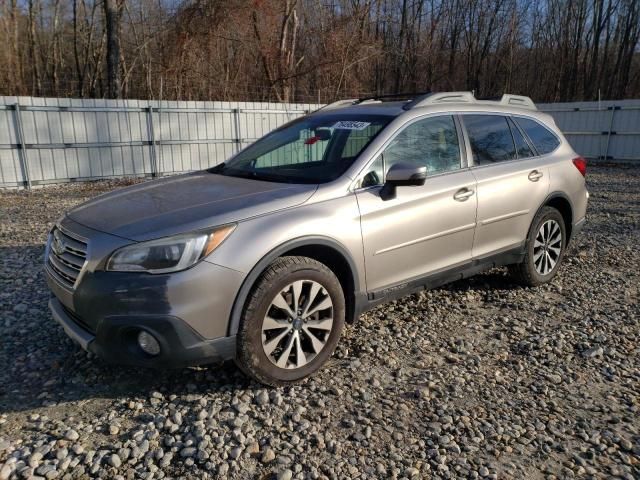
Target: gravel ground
(482,378)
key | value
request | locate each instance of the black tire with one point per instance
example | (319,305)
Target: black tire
(250,355)
(526,272)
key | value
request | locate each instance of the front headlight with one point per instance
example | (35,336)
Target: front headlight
(169,254)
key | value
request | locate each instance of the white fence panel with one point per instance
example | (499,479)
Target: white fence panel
(53,140)
(59,140)
(10,166)
(608,130)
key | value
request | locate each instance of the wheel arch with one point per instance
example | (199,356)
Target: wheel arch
(323,249)
(561,202)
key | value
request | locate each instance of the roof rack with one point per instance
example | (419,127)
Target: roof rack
(423,99)
(407,95)
(375,98)
(339,103)
(443,97)
(518,101)
(468,97)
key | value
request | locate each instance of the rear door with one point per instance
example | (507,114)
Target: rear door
(512,182)
(425,228)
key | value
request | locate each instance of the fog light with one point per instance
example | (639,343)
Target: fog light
(148,343)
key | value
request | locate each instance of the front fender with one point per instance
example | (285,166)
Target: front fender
(254,274)
(255,243)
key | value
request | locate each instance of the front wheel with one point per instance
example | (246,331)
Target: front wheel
(545,249)
(291,322)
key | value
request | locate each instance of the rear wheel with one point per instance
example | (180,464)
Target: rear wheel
(292,321)
(545,248)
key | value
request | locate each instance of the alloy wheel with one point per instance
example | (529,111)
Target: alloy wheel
(297,324)
(547,247)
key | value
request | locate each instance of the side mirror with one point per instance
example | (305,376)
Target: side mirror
(402,174)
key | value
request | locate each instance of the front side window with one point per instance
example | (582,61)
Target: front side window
(490,138)
(544,141)
(431,142)
(313,149)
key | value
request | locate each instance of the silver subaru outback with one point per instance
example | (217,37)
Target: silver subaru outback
(263,258)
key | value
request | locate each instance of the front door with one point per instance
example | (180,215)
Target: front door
(425,228)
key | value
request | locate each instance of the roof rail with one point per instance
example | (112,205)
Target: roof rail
(443,97)
(468,97)
(423,99)
(417,100)
(518,101)
(374,99)
(408,95)
(338,104)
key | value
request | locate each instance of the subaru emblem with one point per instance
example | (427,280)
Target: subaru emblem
(57,245)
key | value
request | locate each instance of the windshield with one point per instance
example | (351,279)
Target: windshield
(314,149)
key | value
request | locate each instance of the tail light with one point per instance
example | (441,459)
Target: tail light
(581,165)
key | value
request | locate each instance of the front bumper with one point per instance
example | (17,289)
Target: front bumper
(188,311)
(116,340)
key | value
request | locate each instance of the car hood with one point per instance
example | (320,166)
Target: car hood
(185,203)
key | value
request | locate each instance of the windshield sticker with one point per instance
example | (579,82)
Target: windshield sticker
(351,125)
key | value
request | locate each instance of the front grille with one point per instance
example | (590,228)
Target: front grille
(67,256)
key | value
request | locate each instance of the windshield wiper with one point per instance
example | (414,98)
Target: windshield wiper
(251,174)
(243,174)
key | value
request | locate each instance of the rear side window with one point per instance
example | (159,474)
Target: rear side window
(490,138)
(522,147)
(541,137)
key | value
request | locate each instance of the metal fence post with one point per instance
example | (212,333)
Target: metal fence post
(159,149)
(22,150)
(152,140)
(238,137)
(613,112)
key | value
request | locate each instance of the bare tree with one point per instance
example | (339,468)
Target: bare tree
(113,28)
(318,50)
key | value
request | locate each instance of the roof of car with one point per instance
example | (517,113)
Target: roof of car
(371,108)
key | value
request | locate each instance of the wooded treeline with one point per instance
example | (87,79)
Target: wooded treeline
(319,50)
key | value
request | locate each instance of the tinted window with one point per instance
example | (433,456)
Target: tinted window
(544,141)
(490,138)
(522,147)
(432,142)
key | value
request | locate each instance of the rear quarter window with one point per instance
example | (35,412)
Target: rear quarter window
(522,147)
(542,138)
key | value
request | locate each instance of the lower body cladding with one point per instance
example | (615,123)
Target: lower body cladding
(184,315)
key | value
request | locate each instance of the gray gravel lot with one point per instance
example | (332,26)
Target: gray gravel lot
(482,378)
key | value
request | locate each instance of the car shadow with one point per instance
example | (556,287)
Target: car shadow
(41,366)
(494,279)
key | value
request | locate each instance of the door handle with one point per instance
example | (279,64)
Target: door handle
(535,175)
(463,194)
